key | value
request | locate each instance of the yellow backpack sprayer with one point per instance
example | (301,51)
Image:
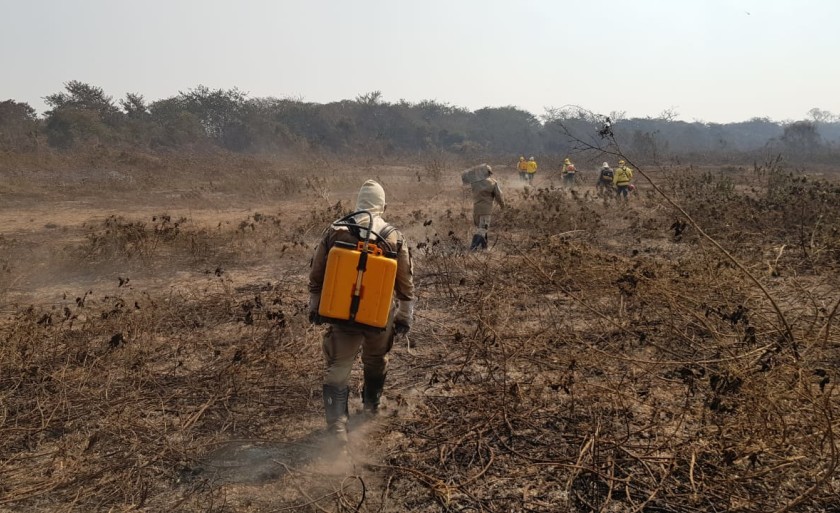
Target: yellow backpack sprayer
(359,278)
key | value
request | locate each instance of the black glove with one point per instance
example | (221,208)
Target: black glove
(401,328)
(314,318)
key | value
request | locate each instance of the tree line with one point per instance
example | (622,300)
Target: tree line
(83,115)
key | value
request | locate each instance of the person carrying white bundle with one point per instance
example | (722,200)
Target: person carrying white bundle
(485,191)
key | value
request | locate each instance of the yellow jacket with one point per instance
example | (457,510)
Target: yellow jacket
(532,167)
(622,176)
(523,165)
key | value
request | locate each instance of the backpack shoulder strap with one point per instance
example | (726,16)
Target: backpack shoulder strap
(386,232)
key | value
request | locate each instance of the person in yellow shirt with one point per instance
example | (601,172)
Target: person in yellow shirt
(621,180)
(568,172)
(522,166)
(531,169)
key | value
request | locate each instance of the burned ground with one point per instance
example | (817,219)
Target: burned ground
(599,357)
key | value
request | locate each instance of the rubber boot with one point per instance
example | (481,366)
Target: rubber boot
(371,394)
(335,409)
(478,242)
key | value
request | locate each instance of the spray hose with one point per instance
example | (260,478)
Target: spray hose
(346,222)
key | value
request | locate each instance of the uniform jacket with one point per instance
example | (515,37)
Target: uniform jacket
(485,192)
(623,175)
(532,167)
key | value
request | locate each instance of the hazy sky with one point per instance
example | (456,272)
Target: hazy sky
(712,60)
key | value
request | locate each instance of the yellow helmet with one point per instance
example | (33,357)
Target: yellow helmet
(521,157)
(567,161)
(621,162)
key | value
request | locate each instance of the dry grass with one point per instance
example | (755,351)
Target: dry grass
(597,358)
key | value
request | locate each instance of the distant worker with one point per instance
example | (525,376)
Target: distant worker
(531,170)
(522,166)
(605,180)
(568,173)
(621,180)
(345,338)
(485,191)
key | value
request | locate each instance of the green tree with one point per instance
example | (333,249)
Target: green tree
(135,106)
(78,95)
(801,139)
(571,129)
(18,126)
(67,128)
(315,126)
(82,113)
(821,116)
(174,125)
(371,98)
(137,127)
(219,110)
(505,130)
